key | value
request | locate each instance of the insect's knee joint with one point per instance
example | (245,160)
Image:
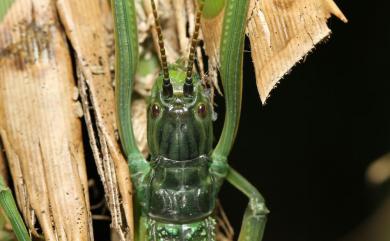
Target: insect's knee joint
(219,168)
(258,207)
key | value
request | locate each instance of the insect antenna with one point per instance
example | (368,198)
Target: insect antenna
(188,87)
(167,86)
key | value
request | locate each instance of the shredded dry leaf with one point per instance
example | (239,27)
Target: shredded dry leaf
(40,128)
(282,32)
(89,34)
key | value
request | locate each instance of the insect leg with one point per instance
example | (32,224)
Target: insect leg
(231,58)
(126,51)
(255,216)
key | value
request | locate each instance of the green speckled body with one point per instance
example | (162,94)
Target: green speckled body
(203,230)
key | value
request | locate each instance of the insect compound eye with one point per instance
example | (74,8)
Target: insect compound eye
(155,110)
(202,110)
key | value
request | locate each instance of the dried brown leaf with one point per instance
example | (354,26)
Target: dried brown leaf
(282,32)
(39,127)
(90,36)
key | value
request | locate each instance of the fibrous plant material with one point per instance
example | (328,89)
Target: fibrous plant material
(40,126)
(90,33)
(281,33)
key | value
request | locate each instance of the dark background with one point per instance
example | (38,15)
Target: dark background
(308,148)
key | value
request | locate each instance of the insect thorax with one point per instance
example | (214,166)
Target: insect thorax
(181,191)
(203,230)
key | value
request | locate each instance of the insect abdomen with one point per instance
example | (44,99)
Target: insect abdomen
(203,230)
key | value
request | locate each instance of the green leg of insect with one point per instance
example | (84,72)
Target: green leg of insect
(7,202)
(126,49)
(231,52)
(231,48)
(255,218)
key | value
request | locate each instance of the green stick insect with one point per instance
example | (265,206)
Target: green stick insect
(176,189)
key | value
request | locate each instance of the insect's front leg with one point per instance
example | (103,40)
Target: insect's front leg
(231,59)
(126,51)
(255,217)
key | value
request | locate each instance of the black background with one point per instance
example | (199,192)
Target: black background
(308,148)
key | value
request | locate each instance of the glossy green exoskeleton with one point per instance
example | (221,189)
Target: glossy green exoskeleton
(176,189)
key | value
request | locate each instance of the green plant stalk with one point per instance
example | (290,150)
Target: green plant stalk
(8,204)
